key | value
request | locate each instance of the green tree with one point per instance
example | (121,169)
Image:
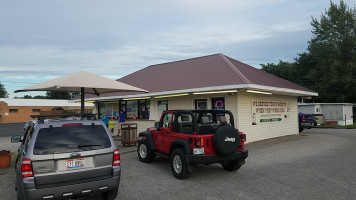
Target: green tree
(333,49)
(329,65)
(3,92)
(61,95)
(285,70)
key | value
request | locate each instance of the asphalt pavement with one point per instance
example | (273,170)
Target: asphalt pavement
(320,164)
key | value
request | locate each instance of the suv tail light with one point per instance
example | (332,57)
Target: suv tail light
(26,168)
(243,137)
(72,124)
(303,118)
(116,159)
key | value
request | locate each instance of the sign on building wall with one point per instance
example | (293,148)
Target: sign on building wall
(269,111)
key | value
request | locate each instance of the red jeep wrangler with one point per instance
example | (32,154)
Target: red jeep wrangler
(191,137)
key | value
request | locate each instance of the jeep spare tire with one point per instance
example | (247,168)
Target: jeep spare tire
(226,140)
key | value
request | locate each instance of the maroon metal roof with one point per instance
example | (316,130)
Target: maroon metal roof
(206,71)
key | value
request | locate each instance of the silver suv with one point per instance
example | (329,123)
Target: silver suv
(67,159)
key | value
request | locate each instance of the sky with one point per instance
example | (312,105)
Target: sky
(41,40)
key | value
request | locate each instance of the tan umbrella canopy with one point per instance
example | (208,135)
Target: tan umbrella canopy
(83,82)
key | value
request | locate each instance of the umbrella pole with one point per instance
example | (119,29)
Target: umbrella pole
(82,100)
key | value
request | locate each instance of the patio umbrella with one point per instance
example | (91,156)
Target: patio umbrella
(83,82)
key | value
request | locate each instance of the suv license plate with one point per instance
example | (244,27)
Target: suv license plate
(75,163)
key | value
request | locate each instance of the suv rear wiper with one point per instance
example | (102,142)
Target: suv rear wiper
(88,145)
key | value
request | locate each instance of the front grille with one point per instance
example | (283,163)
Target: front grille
(72,182)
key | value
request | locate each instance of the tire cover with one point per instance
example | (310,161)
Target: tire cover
(226,140)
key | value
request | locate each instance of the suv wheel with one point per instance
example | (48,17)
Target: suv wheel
(110,195)
(179,164)
(144,152)
(231,166)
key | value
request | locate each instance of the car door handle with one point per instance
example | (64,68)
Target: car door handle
(168,132)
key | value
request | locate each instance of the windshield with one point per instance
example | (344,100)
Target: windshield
(71,139)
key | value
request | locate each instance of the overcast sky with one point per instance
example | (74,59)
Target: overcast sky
(41,39)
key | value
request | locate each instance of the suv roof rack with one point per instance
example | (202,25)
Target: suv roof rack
(41,118)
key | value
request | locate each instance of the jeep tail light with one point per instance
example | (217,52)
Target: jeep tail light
(116,159)
(243,137)
(303,118)
(26,168)
(199,141)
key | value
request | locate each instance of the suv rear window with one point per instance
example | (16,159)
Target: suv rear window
(71,139)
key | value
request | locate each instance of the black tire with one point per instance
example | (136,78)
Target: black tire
(144,152)
(301,129)
(231,166)
(110,195)
(179,164)
(226,140)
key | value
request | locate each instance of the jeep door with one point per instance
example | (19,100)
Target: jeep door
(163,134)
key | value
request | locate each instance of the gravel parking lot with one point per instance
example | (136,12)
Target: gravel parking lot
(319,165)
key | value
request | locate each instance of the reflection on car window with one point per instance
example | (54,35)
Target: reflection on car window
(71,139)
(167,120)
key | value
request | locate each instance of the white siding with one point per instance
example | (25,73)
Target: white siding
(270,129)
(348,112)
(307,109)
(180,103)
(333,112)
(142,125)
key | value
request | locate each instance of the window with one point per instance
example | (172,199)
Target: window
(201,104)
(122,106)
(36,110)
(167,118)
(131,109)
(135,109)
(71,139)
(218,103)
(162,106)
(13,110)
(143,106)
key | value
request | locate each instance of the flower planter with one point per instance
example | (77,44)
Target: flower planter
(5,161)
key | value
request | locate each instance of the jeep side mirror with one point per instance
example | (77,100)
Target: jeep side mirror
(157,126)
(16,138)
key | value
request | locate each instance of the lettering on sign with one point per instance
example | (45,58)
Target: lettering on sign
(269,111)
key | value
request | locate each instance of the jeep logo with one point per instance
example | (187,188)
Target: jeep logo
(227,139)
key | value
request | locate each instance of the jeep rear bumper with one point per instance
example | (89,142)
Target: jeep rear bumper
(204,159)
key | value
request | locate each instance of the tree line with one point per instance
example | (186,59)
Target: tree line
(329,64)
(48,95)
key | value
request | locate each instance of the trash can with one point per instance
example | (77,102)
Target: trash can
(129,134)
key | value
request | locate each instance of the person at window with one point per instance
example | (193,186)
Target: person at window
(122,116)
(105,119)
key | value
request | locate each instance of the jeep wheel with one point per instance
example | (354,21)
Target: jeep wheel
(231,166)
(179,164)
(144,152)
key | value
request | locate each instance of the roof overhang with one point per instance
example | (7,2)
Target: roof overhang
(241,87)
